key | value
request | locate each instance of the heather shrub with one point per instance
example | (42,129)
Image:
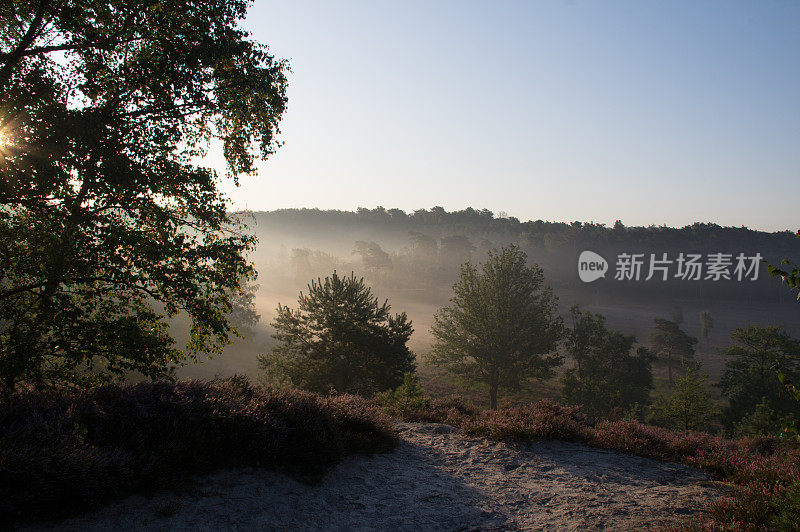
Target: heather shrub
(65,451)
(787,509)
(449,410)
(543,420)
(762,473)
(361,425)
(749,509)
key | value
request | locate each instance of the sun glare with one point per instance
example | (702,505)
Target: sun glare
(5,139)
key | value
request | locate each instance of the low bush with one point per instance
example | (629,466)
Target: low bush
(545,420)
(65,451)
(451,411)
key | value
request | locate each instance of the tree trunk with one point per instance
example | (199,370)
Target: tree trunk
(669,366)
(13,57)
(493,396)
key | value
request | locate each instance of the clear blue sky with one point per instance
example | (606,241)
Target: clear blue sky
(650,112)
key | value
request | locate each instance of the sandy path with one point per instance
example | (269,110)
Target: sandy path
(437,479)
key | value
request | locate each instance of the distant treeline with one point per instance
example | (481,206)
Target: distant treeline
(484,223)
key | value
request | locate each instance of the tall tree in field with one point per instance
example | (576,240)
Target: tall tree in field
(610,374)
(672,344)
(107,227)
(502,327)
(339,337)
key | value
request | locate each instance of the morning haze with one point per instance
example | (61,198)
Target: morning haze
(399,265)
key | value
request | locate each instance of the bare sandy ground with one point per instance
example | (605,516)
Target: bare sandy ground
(437,479)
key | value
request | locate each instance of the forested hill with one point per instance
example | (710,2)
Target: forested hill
(414,258)
(484,224)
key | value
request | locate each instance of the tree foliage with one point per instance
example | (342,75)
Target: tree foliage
(372,256)
(672,344)
(610,375)
(689,405)
(750,371)
(406,396)
(107,227)
(788,271)
(762,421)
(340,338)
(502,327)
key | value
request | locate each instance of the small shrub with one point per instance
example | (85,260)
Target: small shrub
(405,398)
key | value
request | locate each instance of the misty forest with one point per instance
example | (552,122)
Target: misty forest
(152,333)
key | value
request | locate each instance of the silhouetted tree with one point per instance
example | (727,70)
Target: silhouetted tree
(106,226)
(339,337)
(501,328)
(423,245)
(243,313)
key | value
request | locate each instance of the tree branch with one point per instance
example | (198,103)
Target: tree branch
(13,58)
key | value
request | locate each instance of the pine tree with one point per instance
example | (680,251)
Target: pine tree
(502,327)
(689,405)
(339,338)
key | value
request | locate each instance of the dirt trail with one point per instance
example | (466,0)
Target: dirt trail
(437,479)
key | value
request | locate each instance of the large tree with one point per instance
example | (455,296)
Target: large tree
(107,226)
(609,373)
(502,327)
(339,337)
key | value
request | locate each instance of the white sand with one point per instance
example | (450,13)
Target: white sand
(437,479)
